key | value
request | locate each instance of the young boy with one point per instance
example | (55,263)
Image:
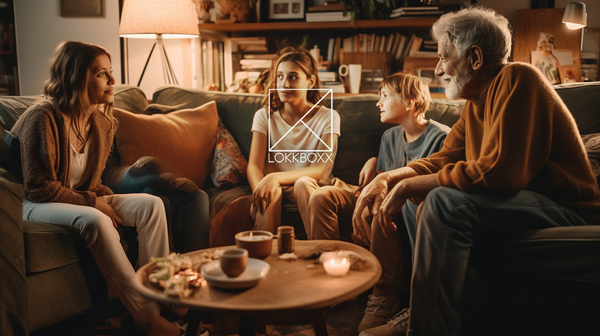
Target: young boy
(404,100)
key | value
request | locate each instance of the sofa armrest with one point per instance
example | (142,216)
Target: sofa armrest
(13,291)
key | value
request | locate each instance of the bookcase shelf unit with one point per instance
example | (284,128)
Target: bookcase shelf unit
(278,26)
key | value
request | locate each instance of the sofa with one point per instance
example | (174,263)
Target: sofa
(542,281)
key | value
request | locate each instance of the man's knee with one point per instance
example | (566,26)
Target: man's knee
(443,204)
(304,183)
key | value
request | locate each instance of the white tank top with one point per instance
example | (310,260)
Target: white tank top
(79,163)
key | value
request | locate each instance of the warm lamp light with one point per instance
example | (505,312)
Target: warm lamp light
(576,17)
(159,19)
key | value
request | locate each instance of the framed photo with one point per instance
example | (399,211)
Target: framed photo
(82,8)
(286,9)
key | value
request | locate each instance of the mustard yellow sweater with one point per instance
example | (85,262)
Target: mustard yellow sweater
(520,136)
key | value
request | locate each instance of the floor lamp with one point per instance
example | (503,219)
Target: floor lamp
(159,19)
(576,17)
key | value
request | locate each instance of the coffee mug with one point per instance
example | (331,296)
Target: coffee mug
(353,71)
(233,261)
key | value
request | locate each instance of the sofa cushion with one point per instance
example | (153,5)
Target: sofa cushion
(591,143)
(49,246)
(560,253)
(236,111)
(184,139)
(583,100)
(130,98)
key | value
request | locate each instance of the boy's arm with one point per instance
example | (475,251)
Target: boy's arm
(368,172)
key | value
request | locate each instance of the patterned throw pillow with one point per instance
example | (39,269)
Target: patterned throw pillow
(591,142)
(229,164)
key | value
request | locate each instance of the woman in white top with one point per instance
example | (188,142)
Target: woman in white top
(294,140)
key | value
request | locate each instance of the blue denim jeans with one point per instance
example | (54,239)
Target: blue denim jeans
(450,222)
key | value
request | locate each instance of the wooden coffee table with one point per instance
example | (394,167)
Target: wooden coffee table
(291,288)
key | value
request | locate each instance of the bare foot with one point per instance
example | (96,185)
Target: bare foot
(158,326)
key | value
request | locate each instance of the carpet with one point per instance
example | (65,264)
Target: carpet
(341,320)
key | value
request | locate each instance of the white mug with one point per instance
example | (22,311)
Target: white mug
(353,71)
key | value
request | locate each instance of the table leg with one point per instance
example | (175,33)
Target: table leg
(247,325)
(194,323)
(319,323)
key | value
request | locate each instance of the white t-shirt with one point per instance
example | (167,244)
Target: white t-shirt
(287,139)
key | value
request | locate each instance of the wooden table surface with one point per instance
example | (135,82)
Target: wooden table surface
(289,285)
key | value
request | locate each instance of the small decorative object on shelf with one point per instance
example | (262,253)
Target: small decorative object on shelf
(286,9)
(230,11)
(203,9)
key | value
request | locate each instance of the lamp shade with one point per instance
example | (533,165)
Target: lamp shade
(575,15)
(147,18)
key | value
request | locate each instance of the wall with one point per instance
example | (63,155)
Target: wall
(40,28)
(179,54)
(509,8)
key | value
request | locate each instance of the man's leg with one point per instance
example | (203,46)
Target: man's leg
(450,221)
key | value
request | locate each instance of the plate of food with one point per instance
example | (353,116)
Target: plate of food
(254,273)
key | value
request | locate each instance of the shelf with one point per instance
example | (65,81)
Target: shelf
(270,26)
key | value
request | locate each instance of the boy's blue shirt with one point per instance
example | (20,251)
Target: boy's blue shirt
(395,152)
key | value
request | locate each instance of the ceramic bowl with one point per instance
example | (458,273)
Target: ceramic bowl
(257,242)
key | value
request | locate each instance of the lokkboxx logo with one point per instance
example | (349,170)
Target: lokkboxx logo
(303,155)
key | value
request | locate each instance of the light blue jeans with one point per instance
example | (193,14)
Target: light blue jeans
(450,222)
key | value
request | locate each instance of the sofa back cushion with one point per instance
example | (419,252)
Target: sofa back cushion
(183,139)
(130,98)
(583,100)
(361,127)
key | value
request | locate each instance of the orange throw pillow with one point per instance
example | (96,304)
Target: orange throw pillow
(183,139)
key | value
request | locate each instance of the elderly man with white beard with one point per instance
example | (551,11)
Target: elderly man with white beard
(513,162)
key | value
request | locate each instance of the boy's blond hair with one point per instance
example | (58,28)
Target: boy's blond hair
(410,88)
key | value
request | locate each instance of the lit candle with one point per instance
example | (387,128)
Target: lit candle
(336,266)
(251,237)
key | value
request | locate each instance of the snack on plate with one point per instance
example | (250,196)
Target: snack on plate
(174,274)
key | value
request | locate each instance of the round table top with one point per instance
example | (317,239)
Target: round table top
(288,285)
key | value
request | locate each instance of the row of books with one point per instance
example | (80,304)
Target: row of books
(397,44)
(412,12)
(221,60)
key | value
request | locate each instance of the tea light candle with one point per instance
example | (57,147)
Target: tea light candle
(337,266)
(253,237)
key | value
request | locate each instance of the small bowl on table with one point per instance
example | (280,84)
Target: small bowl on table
(257,242)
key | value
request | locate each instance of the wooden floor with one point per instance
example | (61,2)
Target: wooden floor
(341,320)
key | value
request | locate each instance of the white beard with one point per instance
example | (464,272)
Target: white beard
(455,88)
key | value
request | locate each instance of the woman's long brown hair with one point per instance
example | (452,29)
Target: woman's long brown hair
(70,71)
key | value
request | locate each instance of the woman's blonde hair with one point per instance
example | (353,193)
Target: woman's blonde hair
(69,82)
(411,89)
(306,62)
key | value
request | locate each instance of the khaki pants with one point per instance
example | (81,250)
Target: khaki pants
(319,206)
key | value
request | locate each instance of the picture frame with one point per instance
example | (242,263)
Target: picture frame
(286,9)
(82,8)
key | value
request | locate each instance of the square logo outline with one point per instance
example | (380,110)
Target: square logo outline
(329,150)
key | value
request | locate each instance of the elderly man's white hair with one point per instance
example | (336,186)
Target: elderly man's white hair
(475,25)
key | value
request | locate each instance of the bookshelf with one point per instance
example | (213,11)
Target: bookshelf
(279,26)
(320,34)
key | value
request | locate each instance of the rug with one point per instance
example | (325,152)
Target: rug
(341,320)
